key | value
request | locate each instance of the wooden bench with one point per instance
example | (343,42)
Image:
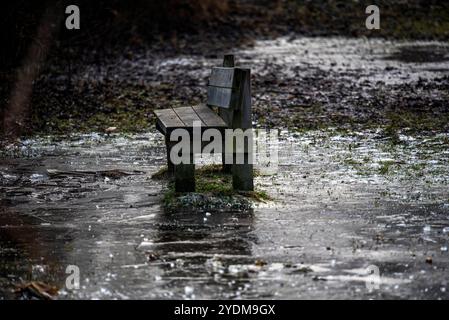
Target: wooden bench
(229,91)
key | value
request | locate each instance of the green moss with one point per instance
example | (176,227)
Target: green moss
(417,170)
(169,198)
(213,188)
(385,167)
(352,162)
(210,179)
(414,122)
(259,195)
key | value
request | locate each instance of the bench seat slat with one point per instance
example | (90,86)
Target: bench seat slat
(167,118)
(188,116)
(209,117)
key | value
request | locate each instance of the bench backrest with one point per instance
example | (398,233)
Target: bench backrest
(229,90)
(222,90)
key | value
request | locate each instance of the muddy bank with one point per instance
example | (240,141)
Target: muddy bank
(124,83)
(298,83)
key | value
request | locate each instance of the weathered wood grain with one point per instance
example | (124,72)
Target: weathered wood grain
(209,117)
(188,116)
(222,77)
(219,97)
(167,118)
(227,114)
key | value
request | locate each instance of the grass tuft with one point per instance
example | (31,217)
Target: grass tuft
(212,185)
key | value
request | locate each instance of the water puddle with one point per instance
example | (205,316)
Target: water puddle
(332,212)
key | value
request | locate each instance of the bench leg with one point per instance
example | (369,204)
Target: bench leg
(227,168)
(185,176)
(242,176)
(170,165)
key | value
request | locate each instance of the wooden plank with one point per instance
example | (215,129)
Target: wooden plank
(188,116)
(167,118)
(242,177)
(226,114)
(170,165)
(219,97)
(222,77)
(185,176)
(242,117)
(209,117)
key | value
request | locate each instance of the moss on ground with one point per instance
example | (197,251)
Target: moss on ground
(213,192)
(385,167)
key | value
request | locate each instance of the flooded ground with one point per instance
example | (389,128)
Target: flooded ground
(344,201)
